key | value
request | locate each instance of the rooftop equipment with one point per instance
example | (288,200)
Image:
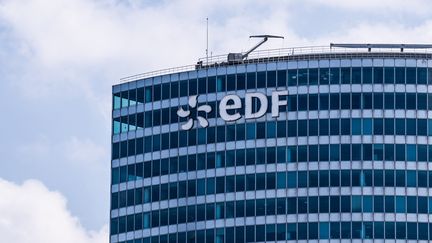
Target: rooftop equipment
(238,57)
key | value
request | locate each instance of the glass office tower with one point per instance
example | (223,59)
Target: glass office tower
(348,157)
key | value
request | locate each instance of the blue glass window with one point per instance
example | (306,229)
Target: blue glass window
(345,75)
(291,231)
(411,178)
(378,100)
(292,77)
(335,230)
(400,204)
(400,75)
(356,75)
(378,75)
(367,101)
(251,80)
(411,75)
(389,75)
(302,102)
(345,101)
(334,101)
(313,76)
(411,152)
(367,75)
(313,230)
(281,78)
(367,204)
(355,101)
(261,80)
(116,101)
(302,77)
(411,101)
(346,230)
(356,126)
(334,75)
(324,76)
(389,126)
(411,231)
(313,102)
(231,82)
(220,84)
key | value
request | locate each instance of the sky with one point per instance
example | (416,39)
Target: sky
(59,60)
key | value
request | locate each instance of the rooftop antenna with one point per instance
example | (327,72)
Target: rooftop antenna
(199,64)
(239,57)
(207,43)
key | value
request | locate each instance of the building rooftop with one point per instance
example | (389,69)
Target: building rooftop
(333,51)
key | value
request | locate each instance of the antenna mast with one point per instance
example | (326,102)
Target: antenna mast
(207,43)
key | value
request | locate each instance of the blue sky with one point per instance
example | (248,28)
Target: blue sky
(59,59)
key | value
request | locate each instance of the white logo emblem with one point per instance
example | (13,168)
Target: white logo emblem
(193,100)
(230,105)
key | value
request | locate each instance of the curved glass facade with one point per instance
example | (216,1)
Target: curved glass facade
(347,157)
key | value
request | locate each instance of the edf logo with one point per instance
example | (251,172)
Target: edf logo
(233,102)
(193,100)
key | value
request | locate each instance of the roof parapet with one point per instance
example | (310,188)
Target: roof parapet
(382,46)
(331,51)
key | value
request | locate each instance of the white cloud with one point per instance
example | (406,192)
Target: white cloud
(31,213)
(85,152)
(73,151)
(40,148)
(383,6)
(76,40)
(384,33)
(81,34)
(79,167)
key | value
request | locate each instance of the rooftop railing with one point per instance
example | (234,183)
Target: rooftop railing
(353,50)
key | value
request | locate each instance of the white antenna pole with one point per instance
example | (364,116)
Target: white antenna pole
(207,43)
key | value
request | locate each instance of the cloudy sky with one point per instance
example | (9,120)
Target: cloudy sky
(59,59)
